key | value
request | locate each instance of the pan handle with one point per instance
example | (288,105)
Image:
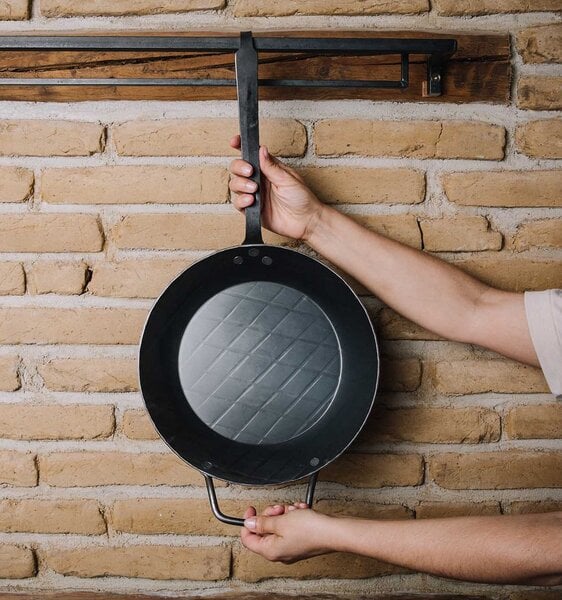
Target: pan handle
(240,522)
(246,62)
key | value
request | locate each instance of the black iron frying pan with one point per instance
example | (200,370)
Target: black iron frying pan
(258,364)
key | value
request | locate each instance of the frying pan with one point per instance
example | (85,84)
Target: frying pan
(258,365)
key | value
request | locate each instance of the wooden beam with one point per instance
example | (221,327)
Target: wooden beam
(479,72)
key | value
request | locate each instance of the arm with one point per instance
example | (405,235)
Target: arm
(423,288)
(505,549)
(426,290)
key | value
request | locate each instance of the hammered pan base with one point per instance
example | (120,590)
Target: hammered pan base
(259,363)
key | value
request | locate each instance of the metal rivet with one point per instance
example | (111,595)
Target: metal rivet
(267,260)
(207,464)
(253,252)
(237,260)
(314,462)
(436,77)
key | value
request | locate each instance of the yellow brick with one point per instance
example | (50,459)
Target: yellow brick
(209,563)
(474,376)
(47,277)
(375,470)
(71,325)
(93,374)
(543,421)
(16,184)
(135,278)
(30,515)
(84,469)
(17,468)
(342,185)
(459,234)
(16,562)
(400,374)
(193,231)
(54,422)
(490,7)
(543,233)
(505,188)
(540,139)
(110,8)
(252,567)
(412,139)
(135,185)
(204,137)
(432,426)
(14,10)
(12,279)
(539,506)
(513,273)
(138,426)
(9,377)
(50,233)
(541,44)
(441,510)
(497,470)
(194,517)
(271,8)
(50,138)
(539,93)
(403,228)
(393,326)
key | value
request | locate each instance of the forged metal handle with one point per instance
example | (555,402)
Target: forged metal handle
(240,522)
(246,62)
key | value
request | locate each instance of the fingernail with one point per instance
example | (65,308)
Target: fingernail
(277,506)
(266,152)
(247,170)
(292,507)
(251,186)
(250,523)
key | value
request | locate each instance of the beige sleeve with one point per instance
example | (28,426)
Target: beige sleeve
(544,317)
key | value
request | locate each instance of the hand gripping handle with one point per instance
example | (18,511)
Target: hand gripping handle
(240,522)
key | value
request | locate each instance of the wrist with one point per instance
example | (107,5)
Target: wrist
(318,222)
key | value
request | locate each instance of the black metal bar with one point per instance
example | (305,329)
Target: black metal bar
(246,61)
(215,505)
(228,44)
(359,83)
(311,488)
(437,51)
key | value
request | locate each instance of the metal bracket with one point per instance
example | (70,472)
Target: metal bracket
(434,84)
(437,51)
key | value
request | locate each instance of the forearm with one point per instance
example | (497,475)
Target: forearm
(504,549)
(426,290)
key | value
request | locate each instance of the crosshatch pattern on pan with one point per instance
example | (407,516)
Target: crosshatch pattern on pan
(260,363)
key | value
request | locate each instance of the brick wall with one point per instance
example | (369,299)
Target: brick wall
(101,204)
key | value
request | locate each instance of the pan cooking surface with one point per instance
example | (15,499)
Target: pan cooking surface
(259,363)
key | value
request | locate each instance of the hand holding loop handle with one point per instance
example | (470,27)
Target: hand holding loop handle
(246,61)
(240,522)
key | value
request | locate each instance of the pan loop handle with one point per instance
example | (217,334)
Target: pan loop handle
(240,522)
(246,62)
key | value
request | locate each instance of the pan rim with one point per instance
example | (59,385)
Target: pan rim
(373,336)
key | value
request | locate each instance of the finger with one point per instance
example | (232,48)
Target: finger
(301,504)
(241,201)
(241,167)
(250,512)
(261,525)
(272,511)
(235,142)
(272,168)
(242,185)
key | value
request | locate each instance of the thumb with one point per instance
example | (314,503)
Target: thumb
(272,168)
(261,524)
